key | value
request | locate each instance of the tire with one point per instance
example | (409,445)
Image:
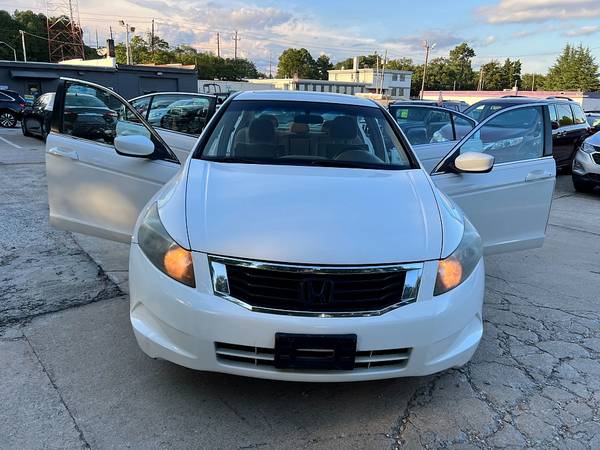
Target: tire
(582,186)
(24,129)
(8,119)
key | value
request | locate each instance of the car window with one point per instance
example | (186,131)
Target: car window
(462,126)
(141,105)
(305,133)
(40,102)
(183,113)
(96,115)
(553,116)
(513,135)
(564,114)
(5,97)
(578,114)
(423,125)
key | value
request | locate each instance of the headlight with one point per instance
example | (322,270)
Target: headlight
(457,267)
(588,148)
(163,251)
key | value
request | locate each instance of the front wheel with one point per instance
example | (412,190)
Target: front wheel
(581,185)
(8,119)
(24,129)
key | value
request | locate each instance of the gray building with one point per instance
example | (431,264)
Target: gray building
(32,79)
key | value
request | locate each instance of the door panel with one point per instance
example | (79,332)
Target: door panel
(91,188)
(510,205)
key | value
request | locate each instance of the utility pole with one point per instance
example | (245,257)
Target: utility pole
(218,45)
(97,42)
(152,39)
(532,81)
(110,29)
(383,72)
(128,29)
(235,44)
(11,47)
(270,65)
(376,70)
(23,43)
(480,83)
(427,48)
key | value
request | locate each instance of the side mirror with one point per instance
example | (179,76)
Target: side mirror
(137,146)
(555,125)
(474,162)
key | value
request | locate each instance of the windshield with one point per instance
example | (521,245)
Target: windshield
(480,112)
(303,133)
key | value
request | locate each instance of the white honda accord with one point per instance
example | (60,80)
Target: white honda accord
(301,239)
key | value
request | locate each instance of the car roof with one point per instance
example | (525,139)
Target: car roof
(305,96)
(511,101)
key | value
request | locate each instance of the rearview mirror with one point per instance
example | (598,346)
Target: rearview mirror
(134,145)
(474,162)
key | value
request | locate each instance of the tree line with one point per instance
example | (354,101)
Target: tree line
(575,67)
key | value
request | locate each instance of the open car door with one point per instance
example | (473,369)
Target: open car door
(103,161)
(509,205)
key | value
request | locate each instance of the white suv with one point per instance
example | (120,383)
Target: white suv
(301,239)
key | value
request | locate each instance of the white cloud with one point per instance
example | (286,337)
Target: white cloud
(520,11)
(488,41)
(583,31)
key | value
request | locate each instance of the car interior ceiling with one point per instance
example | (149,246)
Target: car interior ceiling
(306,136)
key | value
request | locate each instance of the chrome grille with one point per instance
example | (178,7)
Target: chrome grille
(315,290)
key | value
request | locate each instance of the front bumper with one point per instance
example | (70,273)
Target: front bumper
(585,166)
(183,325)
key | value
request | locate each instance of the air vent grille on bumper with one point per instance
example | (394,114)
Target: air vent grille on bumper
(245,356)
(287,288)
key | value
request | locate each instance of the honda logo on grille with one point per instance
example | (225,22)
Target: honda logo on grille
(317,291)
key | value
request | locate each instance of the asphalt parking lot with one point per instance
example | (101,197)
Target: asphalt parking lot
(71,375)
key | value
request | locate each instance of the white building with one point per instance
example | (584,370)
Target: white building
(390,83)
(299,84)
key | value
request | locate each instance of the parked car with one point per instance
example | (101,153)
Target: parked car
(431,130)
(586,165)
(89,117)
(36,118)
(593,118)
(11,108)
(315,251)
(455,105)
(179,117)
(569,123)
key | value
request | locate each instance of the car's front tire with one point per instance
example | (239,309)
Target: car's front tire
(8,119)
(582,185)
(24,129)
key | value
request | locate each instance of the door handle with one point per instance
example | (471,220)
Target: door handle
(538,175)
(64,154)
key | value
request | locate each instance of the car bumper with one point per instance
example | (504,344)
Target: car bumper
(184,325)
(585,166)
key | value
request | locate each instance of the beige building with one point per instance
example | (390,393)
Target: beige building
(389,83)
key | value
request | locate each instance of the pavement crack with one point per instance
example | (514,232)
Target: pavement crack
(55,387)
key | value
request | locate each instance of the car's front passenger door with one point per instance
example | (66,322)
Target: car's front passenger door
(92,189)
(509,205)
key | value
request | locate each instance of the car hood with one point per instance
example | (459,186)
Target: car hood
(312,215)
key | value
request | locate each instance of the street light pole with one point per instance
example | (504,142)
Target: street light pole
(427,48)
(128,29)
(11,47)
(23,43)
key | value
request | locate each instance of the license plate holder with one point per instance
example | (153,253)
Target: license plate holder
(315,351)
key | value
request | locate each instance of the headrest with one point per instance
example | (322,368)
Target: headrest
(343,127)
(261,130)
(299,128)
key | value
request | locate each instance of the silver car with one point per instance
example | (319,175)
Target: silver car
(586,165)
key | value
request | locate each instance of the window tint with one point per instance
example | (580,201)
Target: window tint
(424,125)
(183,113)
(578,114)
(462,127)
(95,114)
(565,116)
(302,133)
(553,116)
(511,136)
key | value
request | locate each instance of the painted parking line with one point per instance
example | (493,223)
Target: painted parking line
(10,143)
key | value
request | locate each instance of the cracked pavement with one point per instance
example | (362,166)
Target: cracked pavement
(71,375)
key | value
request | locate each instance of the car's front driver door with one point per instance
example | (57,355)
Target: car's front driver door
(92,189)
(509,205)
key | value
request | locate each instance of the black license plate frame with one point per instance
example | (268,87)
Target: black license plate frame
(315,351)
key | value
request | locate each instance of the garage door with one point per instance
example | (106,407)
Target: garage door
(149,85)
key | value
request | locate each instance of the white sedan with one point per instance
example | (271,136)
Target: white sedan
(302,239)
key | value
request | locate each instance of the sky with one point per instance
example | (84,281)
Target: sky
(535,31)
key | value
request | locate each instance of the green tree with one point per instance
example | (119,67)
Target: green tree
(496,77)
(322,65)
(532,80)
(459,67)
(364,62)
(296,62)
(575,68)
